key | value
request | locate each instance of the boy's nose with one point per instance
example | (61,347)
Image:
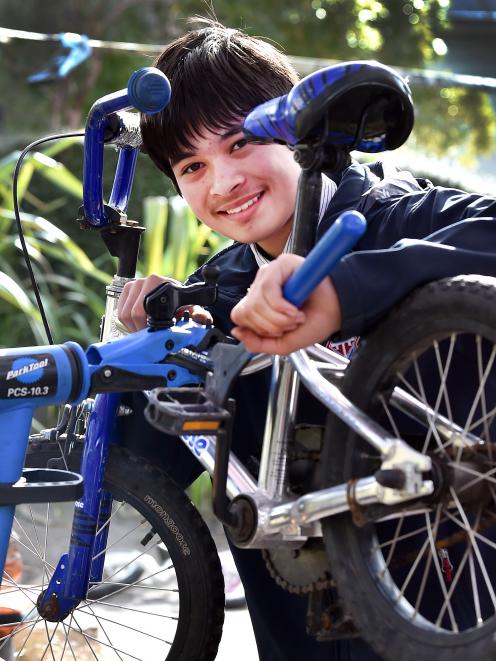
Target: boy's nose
(225,179)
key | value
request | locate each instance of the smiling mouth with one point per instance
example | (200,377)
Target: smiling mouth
(243,207)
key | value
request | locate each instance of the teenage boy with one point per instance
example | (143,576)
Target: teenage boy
(247,192)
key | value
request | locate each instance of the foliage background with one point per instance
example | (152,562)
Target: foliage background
(454,128)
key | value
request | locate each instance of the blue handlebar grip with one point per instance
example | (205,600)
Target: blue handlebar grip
(149,90)
(336,242)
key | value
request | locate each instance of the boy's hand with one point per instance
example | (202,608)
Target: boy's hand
(267,323)
(132,313)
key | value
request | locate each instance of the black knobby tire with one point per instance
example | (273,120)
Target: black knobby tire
(411,611)
(154,510)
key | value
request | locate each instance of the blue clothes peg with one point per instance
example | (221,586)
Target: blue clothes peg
(75,49)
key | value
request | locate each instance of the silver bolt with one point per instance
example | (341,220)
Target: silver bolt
(107,373)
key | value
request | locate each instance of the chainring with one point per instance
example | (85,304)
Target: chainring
(300,571)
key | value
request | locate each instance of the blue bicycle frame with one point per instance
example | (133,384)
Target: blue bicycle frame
(38,376)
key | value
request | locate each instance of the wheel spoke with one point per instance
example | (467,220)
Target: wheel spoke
(486,434)
(111,517)
(134,560)
(472,471)
(488,420)
(115,542)
(443,372)
(414,566)
(135,584)
(33,552)
(454,583)
(478,395)
(395,539)
(67,639)
(127,626)
(407,535)
(88,637)
(475,592)
(45,573)
(49,643)
(127,608)
(85,635)
(432,544)
(432,430)
(475,533)
(98,619)
(24,643)
(390,416)
(475,547)
(423,582)
(22,590)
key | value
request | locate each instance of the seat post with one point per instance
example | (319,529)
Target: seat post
(306,211)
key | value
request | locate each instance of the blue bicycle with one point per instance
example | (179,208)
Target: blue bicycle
(395,495)
(161,592)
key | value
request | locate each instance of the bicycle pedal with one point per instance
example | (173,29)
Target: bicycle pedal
(179,411)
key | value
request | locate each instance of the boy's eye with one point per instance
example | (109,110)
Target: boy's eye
(239,144)
(192,167)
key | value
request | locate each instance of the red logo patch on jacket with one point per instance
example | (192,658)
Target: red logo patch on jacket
(345,348)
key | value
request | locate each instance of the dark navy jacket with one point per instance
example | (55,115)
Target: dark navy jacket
(409,229)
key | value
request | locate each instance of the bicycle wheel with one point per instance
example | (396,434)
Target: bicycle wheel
(171,608)
(420,579)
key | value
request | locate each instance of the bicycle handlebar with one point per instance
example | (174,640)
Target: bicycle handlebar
(148,90)
(336,242)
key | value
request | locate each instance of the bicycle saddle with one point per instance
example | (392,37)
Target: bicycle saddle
(354,105)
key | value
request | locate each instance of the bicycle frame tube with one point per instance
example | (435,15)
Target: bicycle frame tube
(93,156)
(14,433)
(123,180)
(279,424)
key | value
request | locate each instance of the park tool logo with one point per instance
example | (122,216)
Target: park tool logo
(27,369)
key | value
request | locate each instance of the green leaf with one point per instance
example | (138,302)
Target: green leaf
(58,174)
(155,219)
(23,181)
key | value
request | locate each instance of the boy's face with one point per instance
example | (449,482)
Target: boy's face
(244,191)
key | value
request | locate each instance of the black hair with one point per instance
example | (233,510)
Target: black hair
(217,76)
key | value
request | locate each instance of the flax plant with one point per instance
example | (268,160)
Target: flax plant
(175,242)
(67,278)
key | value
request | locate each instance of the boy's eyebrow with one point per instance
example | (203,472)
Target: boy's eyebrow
(223,136)
(232,131)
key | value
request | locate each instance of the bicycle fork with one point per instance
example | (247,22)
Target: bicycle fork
(76,570)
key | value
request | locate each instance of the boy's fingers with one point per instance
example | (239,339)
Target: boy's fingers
(263,320)
(130,310)
(257,310)
(257,344)
(196,312)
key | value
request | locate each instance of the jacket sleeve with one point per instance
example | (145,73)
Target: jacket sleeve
(412,240)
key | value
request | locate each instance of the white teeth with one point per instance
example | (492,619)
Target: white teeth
(244,206)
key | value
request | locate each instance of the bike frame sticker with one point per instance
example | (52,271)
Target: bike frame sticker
(23,377)
(198,444)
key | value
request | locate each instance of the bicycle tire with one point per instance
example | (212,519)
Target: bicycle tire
(409,600)
(136,620)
